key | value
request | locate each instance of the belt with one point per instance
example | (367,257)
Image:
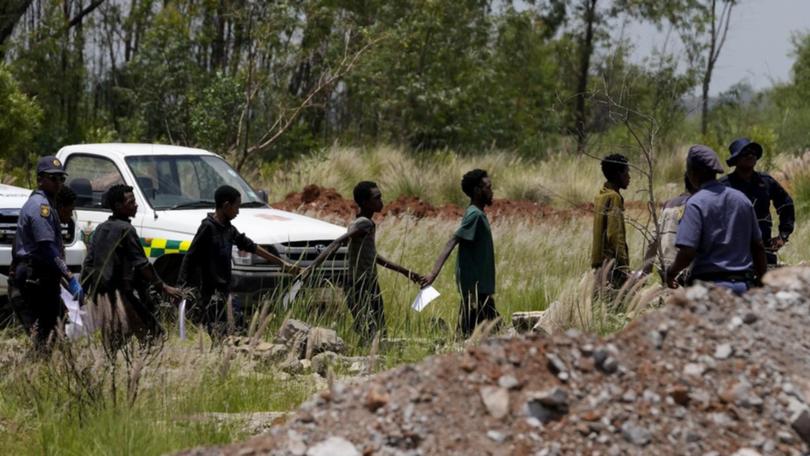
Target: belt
(724,276)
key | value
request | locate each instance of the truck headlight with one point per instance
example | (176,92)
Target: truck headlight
(241,258)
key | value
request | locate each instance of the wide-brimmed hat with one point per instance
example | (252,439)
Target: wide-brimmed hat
(739,145)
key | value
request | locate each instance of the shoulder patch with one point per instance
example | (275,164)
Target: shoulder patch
(44,210)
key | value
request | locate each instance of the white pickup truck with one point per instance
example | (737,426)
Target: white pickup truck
(11,202)
(174,187)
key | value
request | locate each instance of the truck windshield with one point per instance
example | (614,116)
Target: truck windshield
(186,181)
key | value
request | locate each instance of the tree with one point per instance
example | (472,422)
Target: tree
(703,30)
(20,120)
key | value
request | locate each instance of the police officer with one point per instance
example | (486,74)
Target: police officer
(38,255)
(762,190)
(718,232)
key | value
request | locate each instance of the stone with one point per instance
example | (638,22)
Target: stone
(525,321)
(788,278)
(723,351)
(321,340)
(636,434)
(609,365)
(333,446)
(656,339)
(295,444)
(800,422)
(292,366)
(508,381)
(496,401)
(697,293)
(746,452)
(694,369)
(323,361)
(293,334)
(750,318)
(555,364)
(547,405)
(679,394)
(290,330)
(376,397)
(496,436)
(629,396)
(752,401)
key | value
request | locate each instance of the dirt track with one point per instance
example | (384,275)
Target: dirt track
(707,374)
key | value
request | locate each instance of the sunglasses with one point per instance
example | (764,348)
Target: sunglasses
(56,177)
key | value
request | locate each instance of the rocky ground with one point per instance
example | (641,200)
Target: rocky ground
(708,374)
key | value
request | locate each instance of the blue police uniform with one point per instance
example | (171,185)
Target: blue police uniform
(720,224)
(38,258)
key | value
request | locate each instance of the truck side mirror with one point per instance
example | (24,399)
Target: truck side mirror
(262,195)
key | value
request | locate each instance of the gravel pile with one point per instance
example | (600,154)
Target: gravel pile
(709,374)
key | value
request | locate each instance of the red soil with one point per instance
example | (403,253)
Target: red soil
(328,202)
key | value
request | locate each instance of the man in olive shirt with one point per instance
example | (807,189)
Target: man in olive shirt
(475,269)
(609,234)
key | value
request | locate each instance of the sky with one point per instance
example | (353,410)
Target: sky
(758,46)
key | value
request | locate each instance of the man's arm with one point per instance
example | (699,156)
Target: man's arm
(132,248)
(786,211)
(285,266)
(330,249)
(190,259)
(682,261)
(437,268)
(400,269)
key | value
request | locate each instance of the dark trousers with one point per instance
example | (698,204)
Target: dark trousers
(212,312)
(365,302)
(476,308)
(35,298)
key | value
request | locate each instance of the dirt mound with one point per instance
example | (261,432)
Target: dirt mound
(709,372)
(314,198)
(328,202)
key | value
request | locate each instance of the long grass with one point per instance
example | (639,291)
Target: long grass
(561,179)
(541,263)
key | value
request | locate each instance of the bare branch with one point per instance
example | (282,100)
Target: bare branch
(286,119)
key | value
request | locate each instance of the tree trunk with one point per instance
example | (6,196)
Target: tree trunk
(11,12)
(586,49)
(707,77)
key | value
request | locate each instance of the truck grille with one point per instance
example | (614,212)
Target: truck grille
(8,228)
(304,252)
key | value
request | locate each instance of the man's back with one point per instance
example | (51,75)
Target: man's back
(475,266)
(115,252)
(719,222)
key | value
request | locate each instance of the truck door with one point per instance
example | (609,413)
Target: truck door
(90,176)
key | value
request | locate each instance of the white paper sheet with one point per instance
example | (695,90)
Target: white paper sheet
(290,296)
(424,297)
(181,318)
(76,326)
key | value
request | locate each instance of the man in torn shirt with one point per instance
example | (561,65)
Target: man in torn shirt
(116,265)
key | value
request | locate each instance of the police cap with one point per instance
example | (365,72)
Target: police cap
(50,165)
(703,156)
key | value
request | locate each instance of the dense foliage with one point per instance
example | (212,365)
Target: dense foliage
(251,78)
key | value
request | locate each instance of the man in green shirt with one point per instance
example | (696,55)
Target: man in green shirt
(475,269)
(609,238)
